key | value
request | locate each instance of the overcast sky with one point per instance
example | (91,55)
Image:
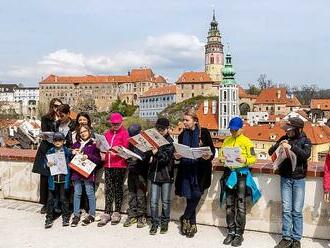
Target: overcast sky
(289,40)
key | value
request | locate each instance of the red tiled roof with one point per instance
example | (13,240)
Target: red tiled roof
(316,133)
(136,75)
(171,89)
(209,120)
(323,104)
(194,77)
(5,123)
(17,154)
(276,96)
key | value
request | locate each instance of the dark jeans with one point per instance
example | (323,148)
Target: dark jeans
(162,190)
(190,211)
(236,206)
(137,201)
(64,202)
(43,190)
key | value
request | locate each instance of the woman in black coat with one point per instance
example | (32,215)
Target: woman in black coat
(49,123)
(194,175)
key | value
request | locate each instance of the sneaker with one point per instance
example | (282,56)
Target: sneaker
(115,218)
(163,228)
(97,218)
(153,229)
(129,221)
(230,237)
(185,226)
(65,222)
(296,244)
(237,240)
(75,221)
(48,223)
(88,219)
(43,210)
(191,231)
(142,222)
(105,218)
(284,243)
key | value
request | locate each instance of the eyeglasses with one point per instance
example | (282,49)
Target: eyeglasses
(85,131)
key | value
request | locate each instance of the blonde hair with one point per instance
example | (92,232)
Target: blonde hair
(192,113)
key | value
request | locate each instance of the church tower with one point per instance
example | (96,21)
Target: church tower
(214,52)
(228,96)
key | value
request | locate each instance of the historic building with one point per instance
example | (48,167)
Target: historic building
(276,101)
(205,83)
(155,101)
(228,96)
(214,57)
(104,90)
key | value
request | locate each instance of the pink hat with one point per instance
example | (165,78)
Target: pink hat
(116,118)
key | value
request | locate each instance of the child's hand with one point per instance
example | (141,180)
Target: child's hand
(154,151)
(84,157)
(241,160)
(326,197)
(50,163)
(177,156)
(102,156)
(75,151)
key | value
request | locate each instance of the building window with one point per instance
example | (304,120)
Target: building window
(192,86)
(278,108)
(225,95)
(182,95)
(211,60)
(225,109)
(192,94)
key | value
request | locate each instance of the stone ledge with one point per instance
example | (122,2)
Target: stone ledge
(315,169)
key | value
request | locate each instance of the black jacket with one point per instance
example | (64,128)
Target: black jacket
(161,169)
(204,166)
(136,166)
(39,165)
(301,146)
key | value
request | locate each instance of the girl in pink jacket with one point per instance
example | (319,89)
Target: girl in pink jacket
(114,170)
(326,178)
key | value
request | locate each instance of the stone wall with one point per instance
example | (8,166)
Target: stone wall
(17,182)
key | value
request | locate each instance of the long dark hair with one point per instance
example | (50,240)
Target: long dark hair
(51,112)
(78,137)
(86,115)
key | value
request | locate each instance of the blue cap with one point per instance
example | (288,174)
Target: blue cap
(58,136)
(235,123)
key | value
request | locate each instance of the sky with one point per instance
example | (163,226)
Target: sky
(289,41)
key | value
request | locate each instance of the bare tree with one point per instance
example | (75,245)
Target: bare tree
(263,82)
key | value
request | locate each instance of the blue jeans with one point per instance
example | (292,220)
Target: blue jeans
(89,186)
(293,195)
(163,189)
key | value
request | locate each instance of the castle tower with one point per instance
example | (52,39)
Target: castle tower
(228,95)
(214,52)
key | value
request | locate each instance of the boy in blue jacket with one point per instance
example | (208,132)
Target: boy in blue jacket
(58,184)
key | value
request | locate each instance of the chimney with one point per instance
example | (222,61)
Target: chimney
(278,94)
(55,79)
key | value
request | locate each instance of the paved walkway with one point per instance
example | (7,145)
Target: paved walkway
(22,226)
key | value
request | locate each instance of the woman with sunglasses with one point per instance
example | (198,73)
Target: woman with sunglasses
(49,123)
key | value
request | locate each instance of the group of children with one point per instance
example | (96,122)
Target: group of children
(157,166)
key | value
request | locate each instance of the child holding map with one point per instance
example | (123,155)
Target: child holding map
(58,158)
(85,147)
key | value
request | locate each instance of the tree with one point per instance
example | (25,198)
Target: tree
(306,92)
(86,105)
(123,108)
(253,89)
(263,82)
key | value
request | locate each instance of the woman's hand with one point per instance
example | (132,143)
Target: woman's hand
(241,160)
(177,156)
(206,156)
(326,196)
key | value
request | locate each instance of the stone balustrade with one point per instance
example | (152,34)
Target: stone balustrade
(18,182)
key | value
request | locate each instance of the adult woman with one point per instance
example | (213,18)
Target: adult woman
(49,123)
(67,125)
(194,175)
(114,170)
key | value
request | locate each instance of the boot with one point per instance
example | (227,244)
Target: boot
(230,237)
(237,240)
(192,230)
(284,243)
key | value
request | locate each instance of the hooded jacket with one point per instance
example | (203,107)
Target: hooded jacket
(116,138)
